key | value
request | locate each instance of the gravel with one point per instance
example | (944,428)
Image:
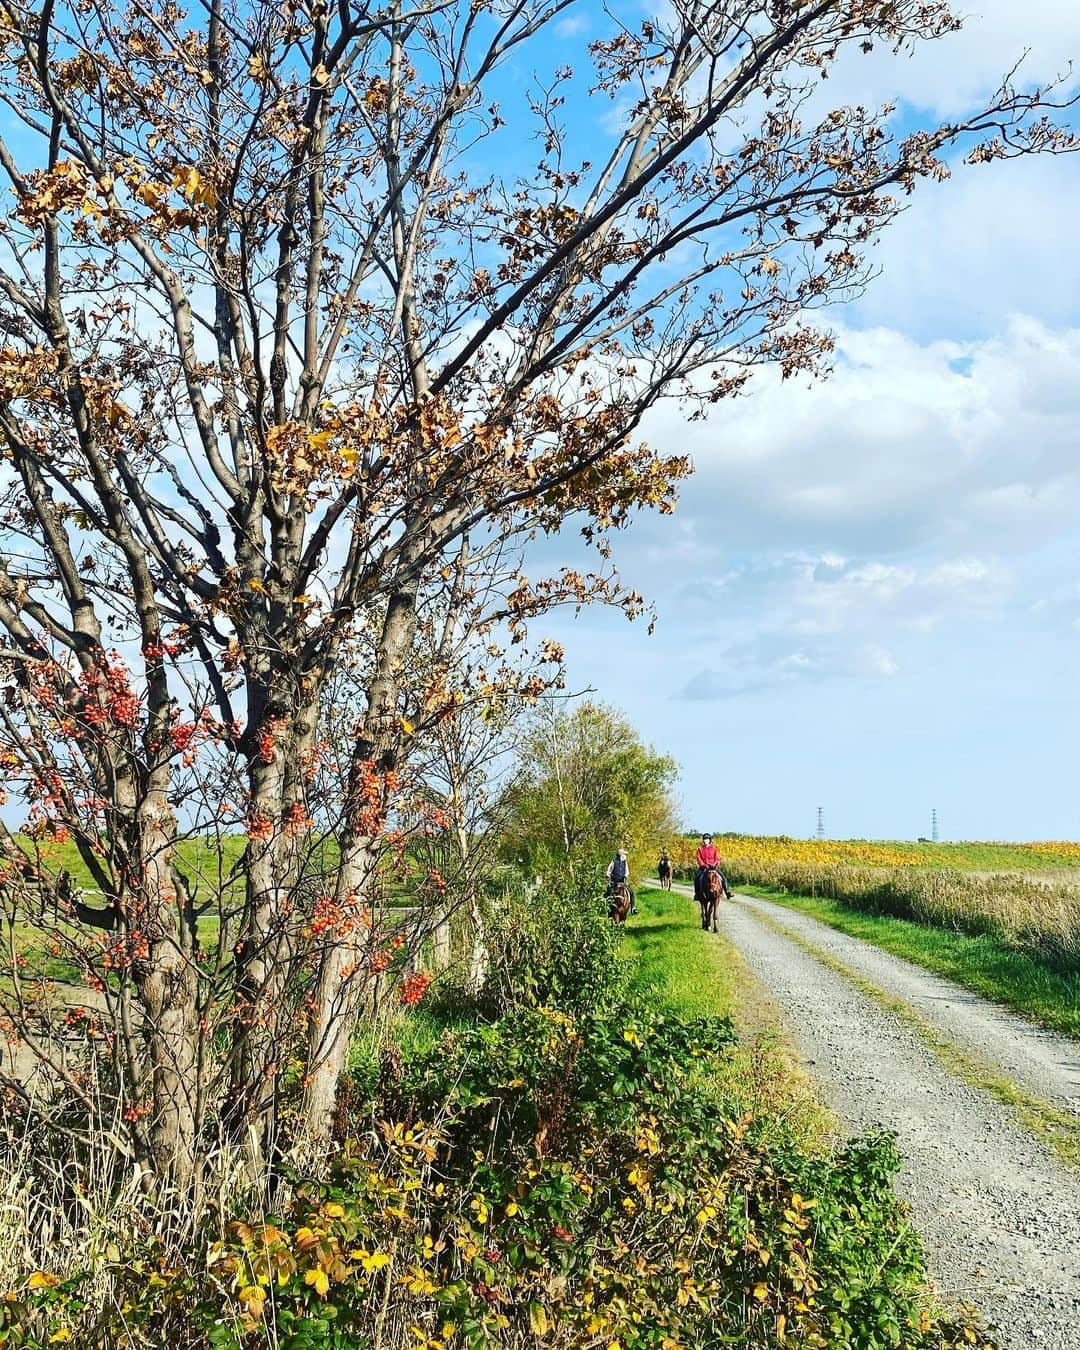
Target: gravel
(1044,1062)
(998,1213)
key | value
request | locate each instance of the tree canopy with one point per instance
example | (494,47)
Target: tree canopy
(586,787)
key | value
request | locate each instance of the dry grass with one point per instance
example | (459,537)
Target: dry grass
(1033,915)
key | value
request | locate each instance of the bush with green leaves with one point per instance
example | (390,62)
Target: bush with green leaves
(554,947)
(562,1181)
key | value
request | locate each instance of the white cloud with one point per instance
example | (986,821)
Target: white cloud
(948,76)
(992,240)
(772,661)
(969,444)
(572,26)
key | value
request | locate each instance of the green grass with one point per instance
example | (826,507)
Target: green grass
(983,964)
(673,962)
(212,863)
(673,958)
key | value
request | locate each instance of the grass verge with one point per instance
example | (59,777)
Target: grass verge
(983,964)
(695,973)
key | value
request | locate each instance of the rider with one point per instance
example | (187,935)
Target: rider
(707,857)
(618,872)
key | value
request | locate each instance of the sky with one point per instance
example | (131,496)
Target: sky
(868,599)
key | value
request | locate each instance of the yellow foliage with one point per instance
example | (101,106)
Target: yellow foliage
(319,1280)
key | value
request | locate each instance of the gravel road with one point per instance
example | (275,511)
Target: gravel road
(998,1213)
(1041,1061)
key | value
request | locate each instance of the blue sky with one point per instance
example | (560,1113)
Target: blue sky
(869,599)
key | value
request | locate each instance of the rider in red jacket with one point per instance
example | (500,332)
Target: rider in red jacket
(707,857)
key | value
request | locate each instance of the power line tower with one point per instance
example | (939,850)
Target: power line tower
(821,822)
(933,824)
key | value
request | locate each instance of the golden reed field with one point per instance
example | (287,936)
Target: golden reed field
(1028,895)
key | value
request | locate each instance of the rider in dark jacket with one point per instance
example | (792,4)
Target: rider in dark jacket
(618,872)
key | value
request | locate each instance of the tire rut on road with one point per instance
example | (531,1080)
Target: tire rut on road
(998,1213)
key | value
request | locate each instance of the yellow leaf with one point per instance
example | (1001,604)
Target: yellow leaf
(63,1334)
(407,726)
(334,1211)
(538,1319)
(319,1281)
(41,1279)
(511,1209)
(761,1291)
(253,1299)
(194,187)
(374,1261)
(257,586)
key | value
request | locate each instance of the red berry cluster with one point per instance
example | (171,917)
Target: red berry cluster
(267,736)
(413,988)
(260,827)
(371,795)
(296,820)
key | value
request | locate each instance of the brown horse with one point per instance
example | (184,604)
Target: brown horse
(620,903)
(663,871)
(712,888)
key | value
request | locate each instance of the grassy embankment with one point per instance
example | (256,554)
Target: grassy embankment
(1000,919)
(674,964)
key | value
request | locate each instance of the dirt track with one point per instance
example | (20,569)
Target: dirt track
(998,1212)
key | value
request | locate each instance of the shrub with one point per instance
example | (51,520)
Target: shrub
(560,1182)
(552,947)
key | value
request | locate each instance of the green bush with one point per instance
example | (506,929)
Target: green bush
(554,948)
(584,1186)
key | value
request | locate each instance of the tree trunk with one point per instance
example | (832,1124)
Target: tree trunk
(441,953)
(340,993)
(267,953)
(167,983)
(344,977)
(478,950)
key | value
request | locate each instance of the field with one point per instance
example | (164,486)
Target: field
(1025,895)
(1001,919)
(1054,857)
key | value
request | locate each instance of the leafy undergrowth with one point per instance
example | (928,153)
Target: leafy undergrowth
(566,1162)
(672,965)
(984,963)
